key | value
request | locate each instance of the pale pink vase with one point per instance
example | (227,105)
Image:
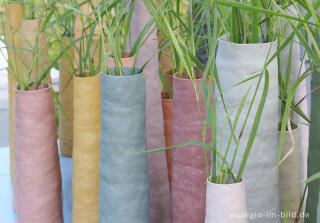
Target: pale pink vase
(159,206)
(189,177)
(37,159)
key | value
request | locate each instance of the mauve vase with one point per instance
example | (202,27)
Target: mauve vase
(37,158)
(126,60)
(167,108)
(189,177)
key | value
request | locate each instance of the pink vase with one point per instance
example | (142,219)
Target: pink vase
(37,158)
(189,176)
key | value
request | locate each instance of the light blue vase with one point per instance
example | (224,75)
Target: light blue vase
(124,181)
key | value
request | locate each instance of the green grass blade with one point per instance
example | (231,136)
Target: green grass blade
(261,10)
(255,126)
(179,146)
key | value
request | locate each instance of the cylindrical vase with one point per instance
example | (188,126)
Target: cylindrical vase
(66,100)
(226,203)
(167,108)
(86,149)
(290,174)
(37,158)
(189,176)
(124,181)
(236,63)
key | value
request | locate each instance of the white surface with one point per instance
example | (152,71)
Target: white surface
(226,203)
(7,215)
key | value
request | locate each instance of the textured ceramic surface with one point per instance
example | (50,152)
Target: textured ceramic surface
(126,60)
(86,149)
(189,177)
(235,63)
(290,173)
(226,203)
(159,206)
(66,100)
(37,158)
(167,107)
(124,181)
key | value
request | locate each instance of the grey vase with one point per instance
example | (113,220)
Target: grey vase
(124,181)
(262,191)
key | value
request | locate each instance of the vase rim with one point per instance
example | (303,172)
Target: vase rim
(164,96)
(187,79)
(292,130)
(223,39)
(30,20)
(34,91)
(102,74)
(126,54)
(125,57)
(86,77)
(230,184)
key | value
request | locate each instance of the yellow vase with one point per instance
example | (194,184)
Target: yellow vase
(66,99)
(86,149)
